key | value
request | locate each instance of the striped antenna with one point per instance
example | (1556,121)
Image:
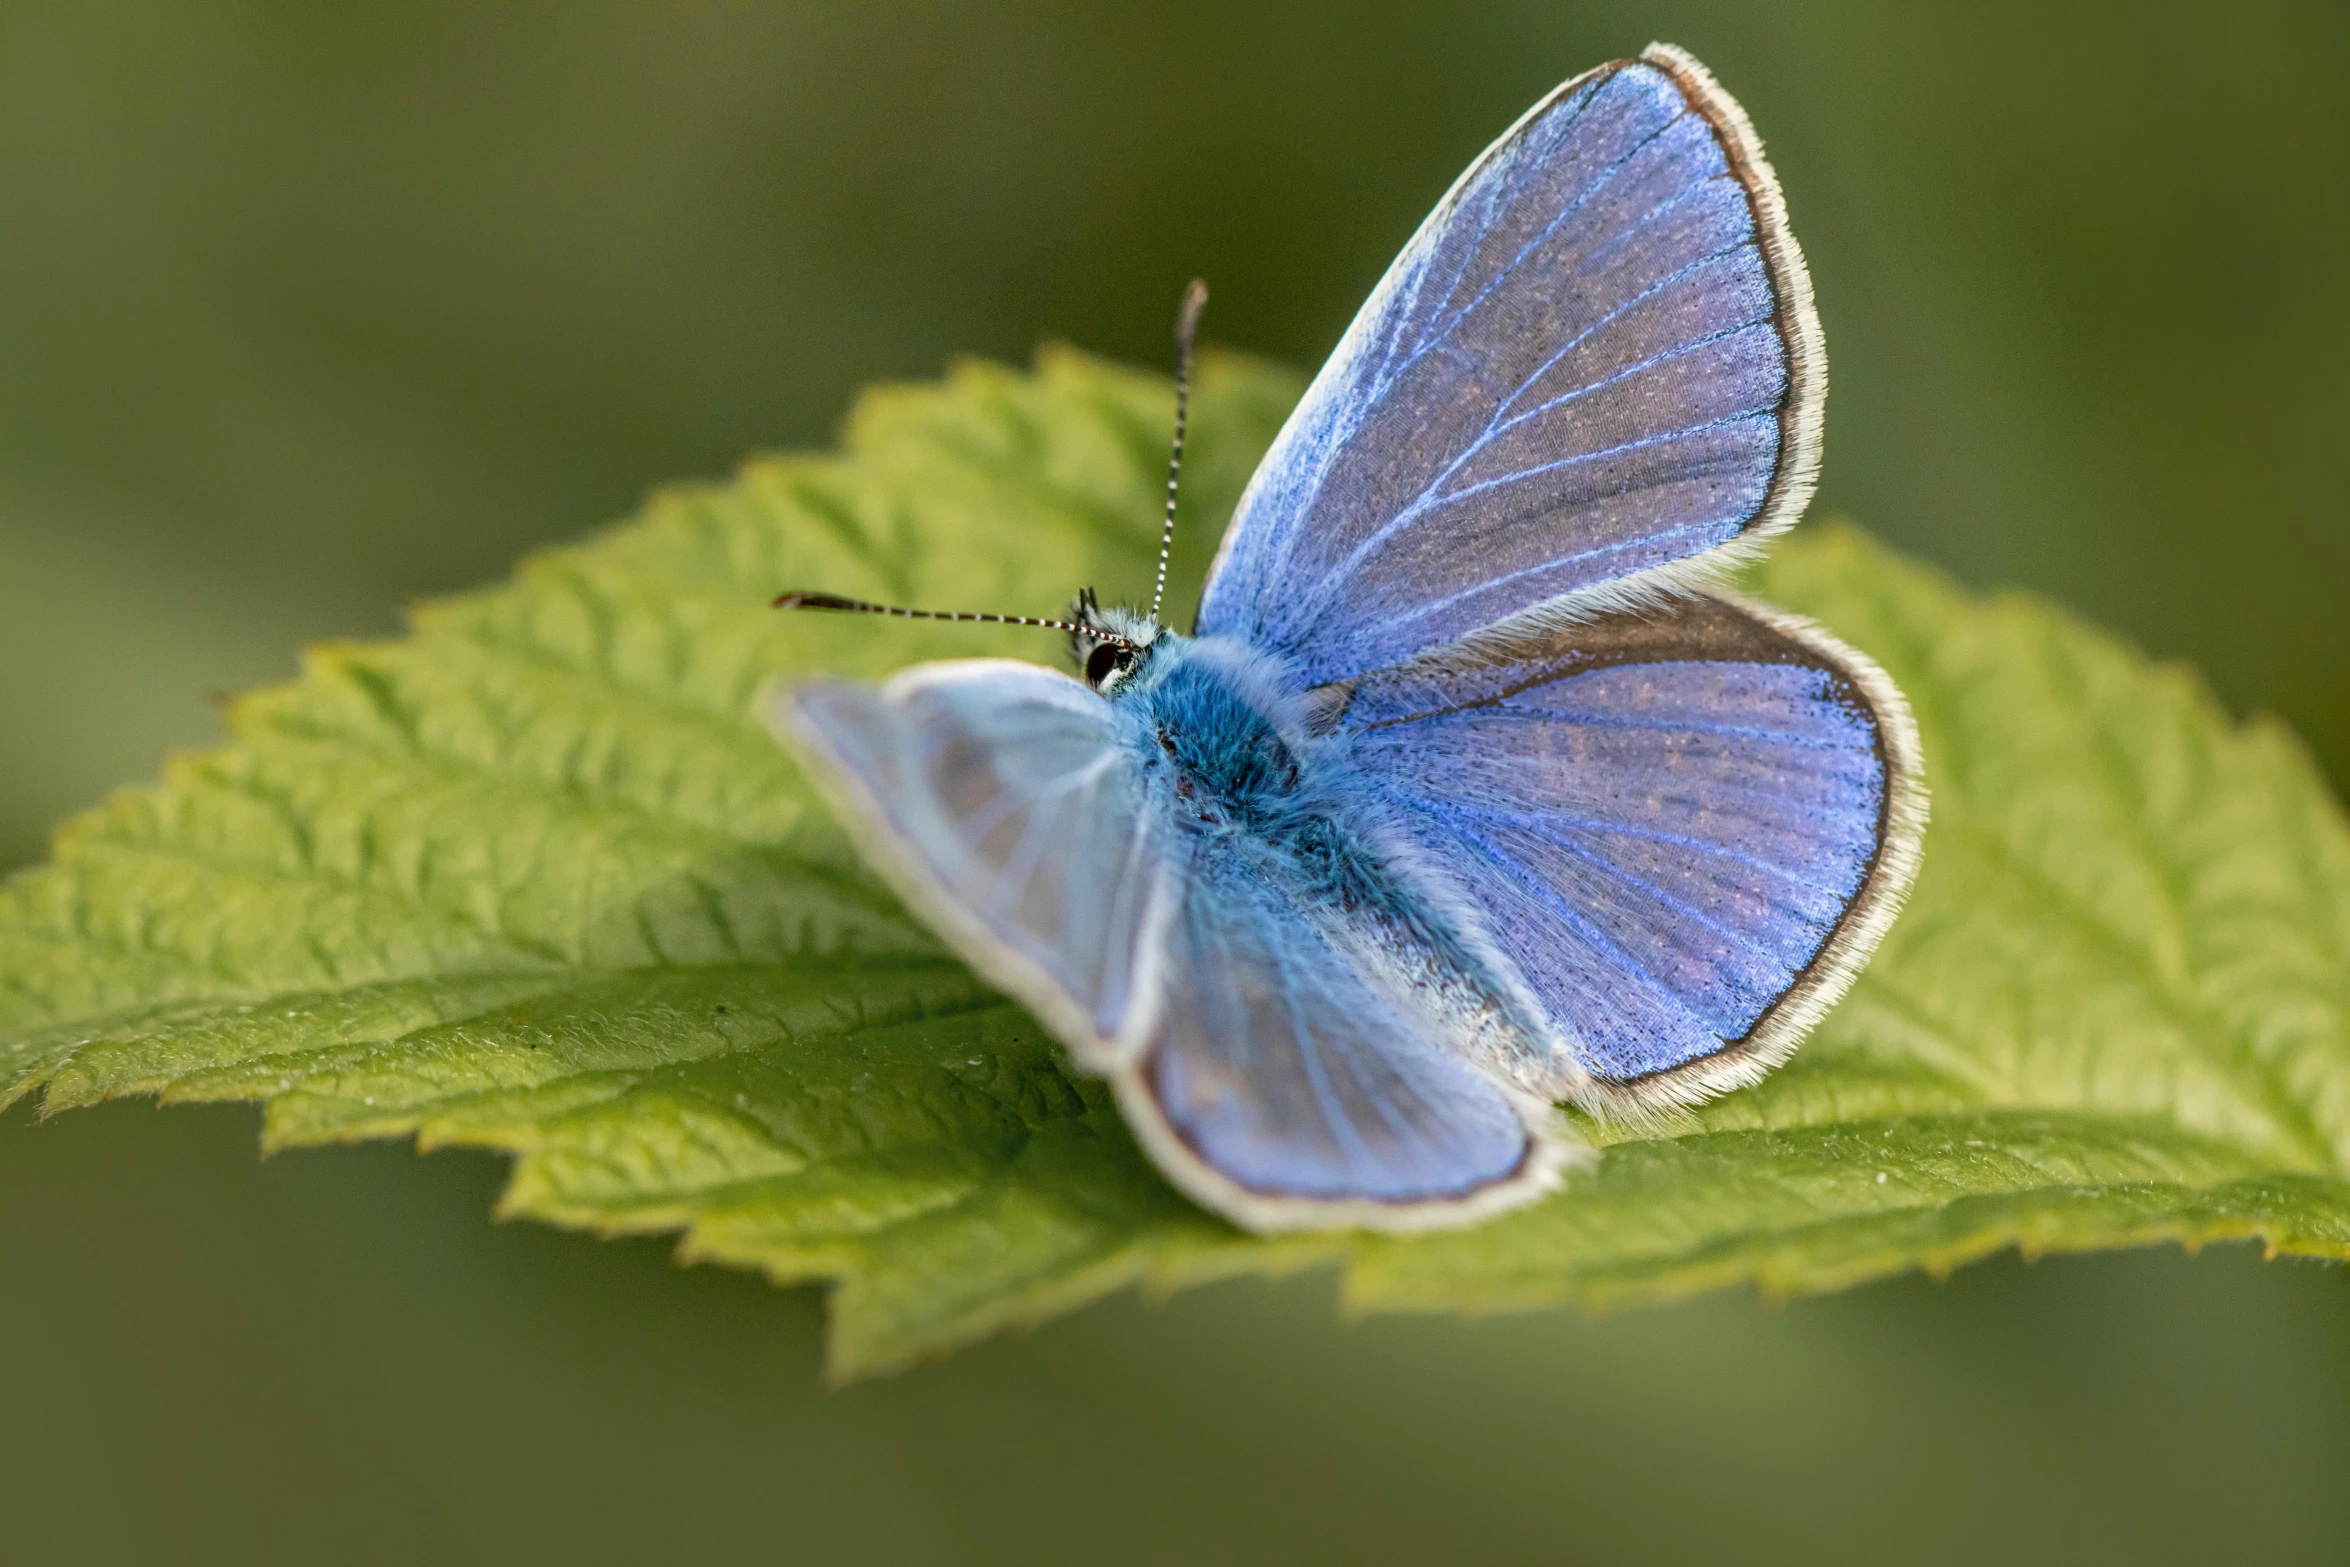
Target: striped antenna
(1195,298)
(860,607)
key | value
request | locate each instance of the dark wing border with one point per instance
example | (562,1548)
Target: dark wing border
(1851,942)
(1803,413)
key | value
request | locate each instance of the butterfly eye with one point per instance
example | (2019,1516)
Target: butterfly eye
(1106,659)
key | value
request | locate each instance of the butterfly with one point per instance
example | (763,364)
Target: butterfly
(1471,793)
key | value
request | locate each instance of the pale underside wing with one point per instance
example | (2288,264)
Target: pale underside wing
(1003,804)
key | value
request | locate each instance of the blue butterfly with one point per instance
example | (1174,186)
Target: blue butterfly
(1469,794)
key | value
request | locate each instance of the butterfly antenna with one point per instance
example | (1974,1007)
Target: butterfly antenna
(860,607)
(1195,298)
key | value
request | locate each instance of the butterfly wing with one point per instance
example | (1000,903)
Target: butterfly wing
(1687,828)
(1289,1083)
(1262,1057)
(1594,373)
(1002,803)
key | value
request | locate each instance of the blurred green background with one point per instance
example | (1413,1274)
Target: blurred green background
(308,311)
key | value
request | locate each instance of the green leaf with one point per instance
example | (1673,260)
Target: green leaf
(535,879)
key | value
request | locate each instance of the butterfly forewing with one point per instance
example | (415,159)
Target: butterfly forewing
(1005,806)
(1597,361)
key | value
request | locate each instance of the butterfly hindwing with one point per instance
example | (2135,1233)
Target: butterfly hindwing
(1686,828)
(1595,369)
(1288,1081)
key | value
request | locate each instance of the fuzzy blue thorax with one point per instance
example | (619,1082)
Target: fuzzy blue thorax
(1224,730)
(1212,713)
(1227,725)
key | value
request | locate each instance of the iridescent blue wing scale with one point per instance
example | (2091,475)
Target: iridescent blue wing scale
(1686,828)
(1594,375)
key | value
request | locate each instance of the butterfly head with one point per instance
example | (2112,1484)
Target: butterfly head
(1110,645)
(1113,646)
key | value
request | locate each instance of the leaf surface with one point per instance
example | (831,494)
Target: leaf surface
(535,879)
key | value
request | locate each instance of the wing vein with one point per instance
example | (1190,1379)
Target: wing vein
(1536,819)
(1582,926)
(1593,857)
(1428,500)
(1605,178)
